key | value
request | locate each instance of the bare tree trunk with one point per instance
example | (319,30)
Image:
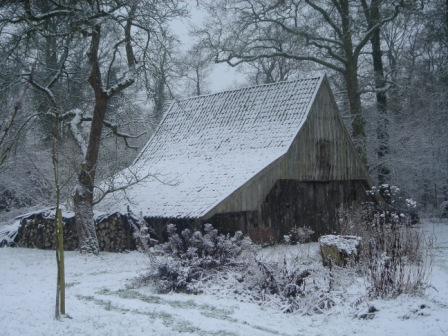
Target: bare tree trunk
(60,295)
(382,132)
(358,122)
(198,81)
(83,197)
(160,85)
(59,226)
(159,97)
(351,82)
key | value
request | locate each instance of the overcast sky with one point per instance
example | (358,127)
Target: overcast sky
(222,76)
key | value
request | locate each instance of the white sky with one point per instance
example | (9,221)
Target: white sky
(222,76)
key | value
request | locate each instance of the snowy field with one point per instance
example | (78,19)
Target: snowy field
(100,301)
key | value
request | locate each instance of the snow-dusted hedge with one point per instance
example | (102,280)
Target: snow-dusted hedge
(188,258)
(207,261)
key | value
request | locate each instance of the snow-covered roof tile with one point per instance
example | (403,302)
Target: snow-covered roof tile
(208,146)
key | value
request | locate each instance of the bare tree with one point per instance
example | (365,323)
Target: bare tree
(12,126)
(104,91)
(160,70)
(114,30)
(195,68)
(323,32)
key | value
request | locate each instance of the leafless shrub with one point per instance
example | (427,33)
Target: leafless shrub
(396,257)
(398,260)
(288,286)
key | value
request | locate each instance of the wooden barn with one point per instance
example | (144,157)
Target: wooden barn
(260,159)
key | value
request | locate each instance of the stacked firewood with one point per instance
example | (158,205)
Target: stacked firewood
(115,232)
(38,231)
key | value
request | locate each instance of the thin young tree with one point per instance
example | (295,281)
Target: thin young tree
(54,111)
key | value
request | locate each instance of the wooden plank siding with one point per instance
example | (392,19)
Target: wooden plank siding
(313,204)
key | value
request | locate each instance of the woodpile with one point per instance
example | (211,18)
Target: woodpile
(115,232)
(38,231)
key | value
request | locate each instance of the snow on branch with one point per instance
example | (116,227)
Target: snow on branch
(75,128)
(46,89)
(121,85)
(9,132)
(43,16)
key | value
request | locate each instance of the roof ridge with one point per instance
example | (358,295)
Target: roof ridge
(320,76)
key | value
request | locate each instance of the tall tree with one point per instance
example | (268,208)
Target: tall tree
(137,15)
(372,12)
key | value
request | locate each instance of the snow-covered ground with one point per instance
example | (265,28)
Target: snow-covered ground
(100,302)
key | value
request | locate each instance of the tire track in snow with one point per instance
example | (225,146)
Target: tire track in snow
(206,310)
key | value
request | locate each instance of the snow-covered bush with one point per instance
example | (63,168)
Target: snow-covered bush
(142,233)
(287,278)
(212,248)
(398,260)
(191,257)
(394,205)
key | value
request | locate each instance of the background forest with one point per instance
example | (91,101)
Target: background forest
(97,75)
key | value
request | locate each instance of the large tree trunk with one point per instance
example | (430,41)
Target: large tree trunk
(352,84)
(83,207)
(382,131)
(83,197)
(358,122)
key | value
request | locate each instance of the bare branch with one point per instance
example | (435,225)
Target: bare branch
(374,27)
(242,59)
(124,136)
(326,16)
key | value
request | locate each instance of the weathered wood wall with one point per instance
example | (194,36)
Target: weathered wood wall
(312,204)
(291,203)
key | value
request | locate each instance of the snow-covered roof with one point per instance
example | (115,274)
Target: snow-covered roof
(208,146)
